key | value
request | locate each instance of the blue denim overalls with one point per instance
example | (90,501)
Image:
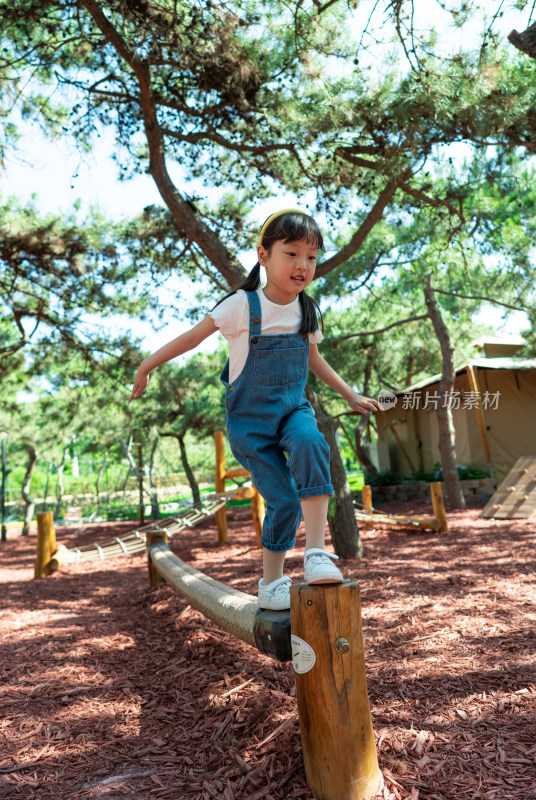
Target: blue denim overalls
(267,414)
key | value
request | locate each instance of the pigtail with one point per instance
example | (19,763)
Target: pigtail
(253,280)
(250,284)
(311,315)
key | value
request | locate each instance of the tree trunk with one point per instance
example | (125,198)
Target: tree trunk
(155,508)
(97,483)
(60,490)
(444,414)
(525,41)
(133,465)
(125,482)
(187,221)
(188,470)
(362,454)
(25,491)
(410,369)
(341,516)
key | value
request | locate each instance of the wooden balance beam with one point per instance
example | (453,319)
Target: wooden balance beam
(222,474)
(326,647)
(436,523)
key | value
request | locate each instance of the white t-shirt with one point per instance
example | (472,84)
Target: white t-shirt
(232,319)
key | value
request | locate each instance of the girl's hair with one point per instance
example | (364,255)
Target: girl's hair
(289,227)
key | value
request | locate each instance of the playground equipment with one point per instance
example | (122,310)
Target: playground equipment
(326,647)
(369,515)
(515,498)
(50,557)
(222,475)
(336,727)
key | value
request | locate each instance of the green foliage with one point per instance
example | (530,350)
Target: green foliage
(390,478)
(471,473)
(54,272)
(387,478)
(256,100)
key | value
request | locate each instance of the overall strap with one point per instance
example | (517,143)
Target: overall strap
(255,319)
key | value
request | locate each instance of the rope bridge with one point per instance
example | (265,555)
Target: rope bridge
(135,541)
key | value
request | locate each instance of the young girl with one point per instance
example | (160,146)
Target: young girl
(273,335)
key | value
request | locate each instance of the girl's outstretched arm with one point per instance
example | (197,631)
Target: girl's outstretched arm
(322,370)
(186,341)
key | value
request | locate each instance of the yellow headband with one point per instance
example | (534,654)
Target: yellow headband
(274,216)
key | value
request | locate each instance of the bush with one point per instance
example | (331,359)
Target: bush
(419,475)
(471,473)
(388,478)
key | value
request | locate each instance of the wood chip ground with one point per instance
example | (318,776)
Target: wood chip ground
(110,689)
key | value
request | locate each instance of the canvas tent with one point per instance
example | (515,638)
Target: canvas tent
(494,414)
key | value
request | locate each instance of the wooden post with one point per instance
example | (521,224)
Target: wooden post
(473,383)
(336,726)
(257,512)
(438,505)
(366,497)
(219,485)
(152,537)
(46,543)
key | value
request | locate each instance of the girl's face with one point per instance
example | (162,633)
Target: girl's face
(290,268)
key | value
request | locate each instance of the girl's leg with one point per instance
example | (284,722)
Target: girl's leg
(315,516)
(272,565)
(274,586)
(319,566)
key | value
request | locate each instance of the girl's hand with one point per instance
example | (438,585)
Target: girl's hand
(140,383)
(363,404)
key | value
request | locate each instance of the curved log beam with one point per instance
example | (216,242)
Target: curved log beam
(58,558)
(231,609)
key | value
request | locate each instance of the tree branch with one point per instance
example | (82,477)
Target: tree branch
(405,187)
(186,220)
(373,217)
(193,138)
(379,330)
(525,41)
(480,297)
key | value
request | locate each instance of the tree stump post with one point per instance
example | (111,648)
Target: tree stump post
(367,499)
(219,485)
(46,543)
(336,726)
(438,505)
(153,537)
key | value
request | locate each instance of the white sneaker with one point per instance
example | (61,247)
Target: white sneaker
(319,567)
(275,595)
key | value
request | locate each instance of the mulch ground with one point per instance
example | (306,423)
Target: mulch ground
(112,689)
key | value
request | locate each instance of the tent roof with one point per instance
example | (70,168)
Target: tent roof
(512,340)
(480,363)
(503,346)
